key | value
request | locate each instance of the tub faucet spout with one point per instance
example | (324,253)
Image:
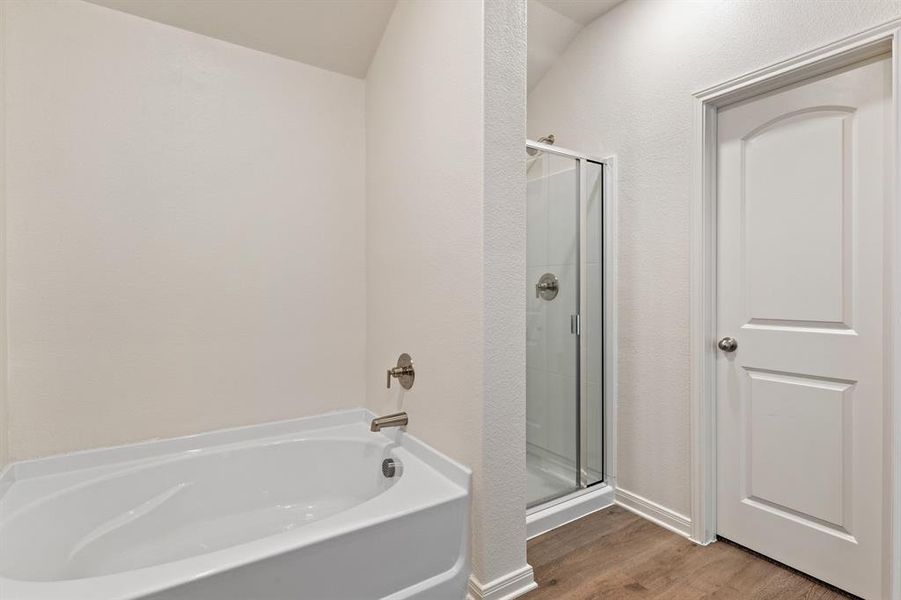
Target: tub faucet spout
(393,420)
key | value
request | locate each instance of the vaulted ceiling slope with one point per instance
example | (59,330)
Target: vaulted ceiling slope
(581,11)
(338,36)
(553,24)
(343,35)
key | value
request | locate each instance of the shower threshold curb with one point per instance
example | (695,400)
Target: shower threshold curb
(544,518)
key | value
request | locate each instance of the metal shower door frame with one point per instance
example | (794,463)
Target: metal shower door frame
(581,300)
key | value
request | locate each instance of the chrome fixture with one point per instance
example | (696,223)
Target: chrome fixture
(727,344)
(547,287)
(549,139)
(391,467)
(403,372)
(393,420)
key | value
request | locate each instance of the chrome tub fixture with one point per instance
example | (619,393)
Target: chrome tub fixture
(393,420)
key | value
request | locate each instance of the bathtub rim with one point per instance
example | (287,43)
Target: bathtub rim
(110,456)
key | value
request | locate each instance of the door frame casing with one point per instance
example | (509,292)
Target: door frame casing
(703,319)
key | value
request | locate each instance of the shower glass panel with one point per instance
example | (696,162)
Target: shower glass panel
(564,330)
(592,329)
(552,364)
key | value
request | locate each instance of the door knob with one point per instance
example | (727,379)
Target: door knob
(727,344)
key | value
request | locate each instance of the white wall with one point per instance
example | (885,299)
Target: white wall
(423,220)
(190,247)
(186,231)
(500,525)
(624,87)
(445,255)
(4,422)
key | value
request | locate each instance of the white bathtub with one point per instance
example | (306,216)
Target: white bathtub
(290,510)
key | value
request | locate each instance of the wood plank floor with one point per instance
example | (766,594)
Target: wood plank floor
(615,554)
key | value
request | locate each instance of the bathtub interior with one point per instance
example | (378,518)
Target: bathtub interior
(197,503)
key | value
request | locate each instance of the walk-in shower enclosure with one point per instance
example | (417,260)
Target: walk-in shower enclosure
(565,328)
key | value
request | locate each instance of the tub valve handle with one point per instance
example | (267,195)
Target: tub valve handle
(403,372)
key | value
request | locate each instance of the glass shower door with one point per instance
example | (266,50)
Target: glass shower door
(552,340)
(591,372)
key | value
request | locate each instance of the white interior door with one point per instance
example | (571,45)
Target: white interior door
(802,196)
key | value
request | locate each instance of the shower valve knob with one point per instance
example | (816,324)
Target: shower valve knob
(547,287)
(403,372)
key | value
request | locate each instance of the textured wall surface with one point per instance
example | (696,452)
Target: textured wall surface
(624,87)
(501,529)
(424,227)
(4,421)
(423,221)
(186,224)
(445,247)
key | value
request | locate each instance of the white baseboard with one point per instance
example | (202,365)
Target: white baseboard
(654,512)
(512,585)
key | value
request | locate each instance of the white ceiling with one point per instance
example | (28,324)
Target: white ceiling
(343,36)
(549,34)
(552,26)
(581,11)
(338,36)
